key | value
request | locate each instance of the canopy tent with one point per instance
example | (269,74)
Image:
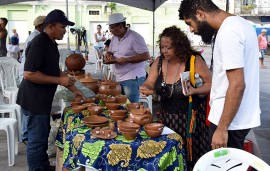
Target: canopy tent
(150,5)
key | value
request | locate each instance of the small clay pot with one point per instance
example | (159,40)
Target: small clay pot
(131,106)
(78,109)
(90,83)
(130,125)
(109,100)
(75,62)
(142,119)
(153,133)
(121,98)
(118,112)
(116,118)
(95,110)
(154,126)
(129,135)
(112,106)
(101,96)
(110,88)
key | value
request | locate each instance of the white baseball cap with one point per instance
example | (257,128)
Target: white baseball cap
(264,30)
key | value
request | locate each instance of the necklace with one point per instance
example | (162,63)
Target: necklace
(163,84)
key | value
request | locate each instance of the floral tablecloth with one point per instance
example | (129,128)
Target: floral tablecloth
(143,153)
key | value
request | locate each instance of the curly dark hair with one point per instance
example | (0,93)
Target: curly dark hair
(188,8)
(180,42)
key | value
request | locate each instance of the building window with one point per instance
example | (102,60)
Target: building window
(91,12)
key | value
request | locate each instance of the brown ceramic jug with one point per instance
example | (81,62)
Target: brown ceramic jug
(90,83)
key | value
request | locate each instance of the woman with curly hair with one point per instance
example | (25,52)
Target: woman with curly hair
(185,118)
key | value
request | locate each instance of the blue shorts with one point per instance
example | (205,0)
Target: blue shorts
(98,47)
(263,53)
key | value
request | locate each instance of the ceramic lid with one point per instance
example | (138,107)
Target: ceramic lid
(87,79)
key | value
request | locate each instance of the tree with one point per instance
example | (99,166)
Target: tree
(112,6)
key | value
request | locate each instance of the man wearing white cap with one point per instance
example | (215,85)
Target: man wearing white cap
(128,50)
(263,46)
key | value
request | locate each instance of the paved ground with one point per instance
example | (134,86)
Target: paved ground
(262,133)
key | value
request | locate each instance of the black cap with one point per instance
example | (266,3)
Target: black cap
(58,16)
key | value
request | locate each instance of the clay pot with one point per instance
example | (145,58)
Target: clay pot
(130,125)
(121,98)
(116,118)
(140,111)
(109,100)
(153,133)
(78,109)
(75,62)
(110,88)
(90,100)
(90,83)
(129,135)
(154,126)
(95,110)
(131,106)
(101,96)
(118,112)
(112,106)
(142,119)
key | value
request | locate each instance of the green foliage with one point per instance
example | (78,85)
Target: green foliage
(167,159)
(248,8)
(112,6)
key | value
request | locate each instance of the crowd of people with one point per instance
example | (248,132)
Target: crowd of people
(232,82)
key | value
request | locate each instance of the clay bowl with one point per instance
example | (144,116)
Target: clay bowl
(153,133)
(95,110)
(89,104)
(78,109)
(128,129)
(130,125)
(76,103)
(121,98)
(116,118)
(101,96)
(95,120)
(112,106)
(154,126)
(131,106)
(90,100)
(109,100)
(118,112)
(129,135)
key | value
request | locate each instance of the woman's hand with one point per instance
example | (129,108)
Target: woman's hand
(144,91)
(190,89)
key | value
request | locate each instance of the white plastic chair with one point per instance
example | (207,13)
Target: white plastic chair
(147,100)
(98,61)
(9,125)
(9,75)
(232,159)
(14,111)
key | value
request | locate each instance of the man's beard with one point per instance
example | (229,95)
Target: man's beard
(205,31)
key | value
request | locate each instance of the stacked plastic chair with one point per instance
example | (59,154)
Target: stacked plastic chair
(232,159)
(9,76)
(10,126)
